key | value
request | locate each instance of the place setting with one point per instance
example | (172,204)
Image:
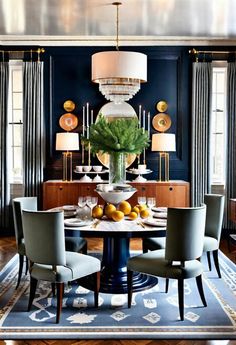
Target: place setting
(83,214)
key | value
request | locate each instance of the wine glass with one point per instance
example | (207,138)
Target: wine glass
(142,200)
(151,201)
(81,201)
(91,201)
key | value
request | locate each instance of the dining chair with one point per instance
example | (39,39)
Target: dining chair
(49,261)
(74,244)
(214,220)
(179,259)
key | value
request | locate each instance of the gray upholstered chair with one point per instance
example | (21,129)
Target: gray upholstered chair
(73,244)
(45,248)
(179,260)
(214,219)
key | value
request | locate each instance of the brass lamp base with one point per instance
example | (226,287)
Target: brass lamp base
(67,166)
(165,156)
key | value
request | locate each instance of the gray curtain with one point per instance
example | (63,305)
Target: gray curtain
(33,133)
(4,182)
(231,141)
(201,108)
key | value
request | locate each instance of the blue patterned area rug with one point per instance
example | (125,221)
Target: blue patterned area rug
(154,314)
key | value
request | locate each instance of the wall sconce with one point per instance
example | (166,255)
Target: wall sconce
(67,142)
(164,143)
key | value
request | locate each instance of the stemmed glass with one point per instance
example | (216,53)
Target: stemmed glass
(81,204)
(151,201)
(142,200)
(91,201)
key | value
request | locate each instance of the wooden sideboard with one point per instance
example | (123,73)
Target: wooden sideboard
(171,194)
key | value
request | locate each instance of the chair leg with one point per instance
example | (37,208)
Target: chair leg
(60,293)
(21,262)
(167,284)
(96,277)
(200,290)
(130,286)
(145,249)
(84,249)
(209,260)
(53,285)
(33,286)
(26,265)
(181,298)
(216,262)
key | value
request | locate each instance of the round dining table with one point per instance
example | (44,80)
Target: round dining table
(116,250)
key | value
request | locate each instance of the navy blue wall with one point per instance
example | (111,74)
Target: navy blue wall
(68,76)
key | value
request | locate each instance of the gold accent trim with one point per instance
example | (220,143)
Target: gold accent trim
(161,106)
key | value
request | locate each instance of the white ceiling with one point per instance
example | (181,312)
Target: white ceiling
(142,22)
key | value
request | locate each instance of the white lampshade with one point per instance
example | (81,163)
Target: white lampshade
(119,73)
(67,141)
(163,142)
(119,64)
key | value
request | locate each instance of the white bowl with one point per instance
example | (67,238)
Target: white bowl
(115,197)
(97,168)
(79,168)
(87,168)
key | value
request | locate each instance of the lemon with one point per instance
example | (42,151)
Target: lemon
(142,207)
(135,209)
(97,212)
(109,209)
(125,207)
(133,215)
(117,216)
(144,214)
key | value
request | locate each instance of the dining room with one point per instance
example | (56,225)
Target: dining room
(115,115)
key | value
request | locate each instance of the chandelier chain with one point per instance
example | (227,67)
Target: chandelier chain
(117,4)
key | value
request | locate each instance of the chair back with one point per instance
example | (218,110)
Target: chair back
(185,233)
(19,204)
(44,237)
(214,215)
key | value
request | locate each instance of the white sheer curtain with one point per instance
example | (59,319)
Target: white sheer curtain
(33,133)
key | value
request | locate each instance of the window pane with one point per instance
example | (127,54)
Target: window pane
(17,81)
(17,101)
(220,82)
(17,135)
(17,161)
(17,115)
(220,102)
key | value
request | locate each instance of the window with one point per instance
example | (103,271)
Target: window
(15,116)
(218,124)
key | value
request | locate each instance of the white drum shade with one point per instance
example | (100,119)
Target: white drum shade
(119,64)
(67,141)
(163,142)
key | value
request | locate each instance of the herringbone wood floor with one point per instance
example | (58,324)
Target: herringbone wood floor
(8,249)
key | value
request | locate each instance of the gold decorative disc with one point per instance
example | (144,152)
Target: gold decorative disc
(161,122)
(69,105)
(68,122)
(162,106)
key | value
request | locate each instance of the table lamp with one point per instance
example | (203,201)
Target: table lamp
(164,143)
(67,142)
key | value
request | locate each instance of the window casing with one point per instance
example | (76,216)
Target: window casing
(15,121)
(218,124)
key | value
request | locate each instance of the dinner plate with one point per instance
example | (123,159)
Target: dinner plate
(159,215)
(159,209)
(77,222)
(155,222)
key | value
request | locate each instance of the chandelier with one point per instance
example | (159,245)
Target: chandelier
(119,73)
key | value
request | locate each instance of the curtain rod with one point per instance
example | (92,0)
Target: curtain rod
(195,52)
(39,51)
